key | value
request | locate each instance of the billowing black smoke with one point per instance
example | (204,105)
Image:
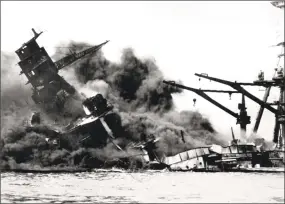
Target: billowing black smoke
(136,82)
(143,105)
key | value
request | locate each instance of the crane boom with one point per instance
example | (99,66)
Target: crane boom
(205,96)
(74,57)
(238,87)
(218,91)
(243,119)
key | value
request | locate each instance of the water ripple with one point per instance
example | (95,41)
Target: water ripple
(142,187)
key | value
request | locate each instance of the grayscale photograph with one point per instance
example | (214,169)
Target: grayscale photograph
(142,102)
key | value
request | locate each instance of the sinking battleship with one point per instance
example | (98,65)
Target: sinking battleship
(95,129)
(52,91)
(49,88)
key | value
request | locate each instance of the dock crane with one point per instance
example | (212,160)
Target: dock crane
(237,86)
(242,118)
(279,112)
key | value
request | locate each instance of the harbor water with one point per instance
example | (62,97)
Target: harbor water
(148,186)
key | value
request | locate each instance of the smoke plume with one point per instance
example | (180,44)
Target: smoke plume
(143,106)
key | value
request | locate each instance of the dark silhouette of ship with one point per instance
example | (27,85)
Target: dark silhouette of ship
(49,88)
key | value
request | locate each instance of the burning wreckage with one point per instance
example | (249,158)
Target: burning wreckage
(51,91)
(97,128)
(49,88)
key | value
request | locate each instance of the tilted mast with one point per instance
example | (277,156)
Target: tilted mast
(280,119)
(49,88)
(76,56)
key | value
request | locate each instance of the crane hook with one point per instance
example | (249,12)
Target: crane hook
(194,100)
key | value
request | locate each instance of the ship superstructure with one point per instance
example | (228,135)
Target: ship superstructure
(49,88)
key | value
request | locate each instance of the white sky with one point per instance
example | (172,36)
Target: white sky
(229,40)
